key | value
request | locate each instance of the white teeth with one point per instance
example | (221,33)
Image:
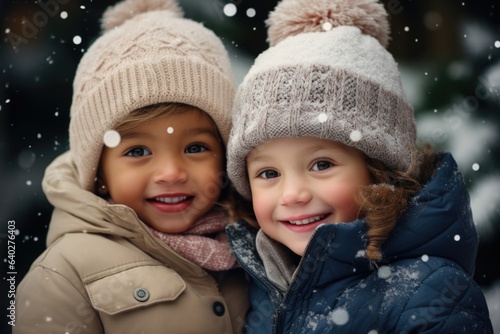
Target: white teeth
(171,200)
(306,221)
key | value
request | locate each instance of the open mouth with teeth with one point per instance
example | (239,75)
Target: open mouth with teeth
(306,220)
(170,200)
(171,204)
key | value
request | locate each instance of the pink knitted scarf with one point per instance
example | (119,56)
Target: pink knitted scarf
(204,243)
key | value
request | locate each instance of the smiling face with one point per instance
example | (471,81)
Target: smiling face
(300,183)
(168,170)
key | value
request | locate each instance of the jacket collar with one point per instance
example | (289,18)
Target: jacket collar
(439,221)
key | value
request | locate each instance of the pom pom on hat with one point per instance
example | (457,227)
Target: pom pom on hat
(115,16)
(293,17)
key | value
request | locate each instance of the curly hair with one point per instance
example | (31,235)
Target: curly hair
(383,202)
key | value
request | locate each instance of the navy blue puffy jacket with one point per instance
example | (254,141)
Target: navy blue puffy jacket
(423,285)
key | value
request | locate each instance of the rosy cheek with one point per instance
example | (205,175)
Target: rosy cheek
(261,207)
(344,201)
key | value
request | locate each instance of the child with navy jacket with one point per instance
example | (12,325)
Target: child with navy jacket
(357,229)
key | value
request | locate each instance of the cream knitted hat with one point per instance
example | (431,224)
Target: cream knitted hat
(328,75)
(148,53)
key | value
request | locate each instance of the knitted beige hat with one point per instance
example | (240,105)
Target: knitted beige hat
(148,53)
(328,75)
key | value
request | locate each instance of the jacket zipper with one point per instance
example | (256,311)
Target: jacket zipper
(280,309)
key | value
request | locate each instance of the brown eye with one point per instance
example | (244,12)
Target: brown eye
(321,165)
(197,148)
(269,174)
(138,152)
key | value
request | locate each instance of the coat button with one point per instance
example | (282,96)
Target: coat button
(141,294)
(218,309)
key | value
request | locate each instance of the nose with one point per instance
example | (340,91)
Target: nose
(170,170)
(295,191)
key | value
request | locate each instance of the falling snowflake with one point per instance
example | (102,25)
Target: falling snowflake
(322,118)
(339,317)
(111,138)
(384,272)
(356,135)
(327,26)
(230,10)
(251,12)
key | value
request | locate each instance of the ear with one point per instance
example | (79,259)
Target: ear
(100,187)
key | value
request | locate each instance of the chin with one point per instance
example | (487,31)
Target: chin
(299,251)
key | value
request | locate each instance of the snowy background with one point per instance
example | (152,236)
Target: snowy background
(449,56)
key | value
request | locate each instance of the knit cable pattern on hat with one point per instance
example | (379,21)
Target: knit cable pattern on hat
(299,102)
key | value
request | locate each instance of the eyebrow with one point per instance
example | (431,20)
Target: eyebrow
(265,156)
(255,158)
(203,130)
(134,134)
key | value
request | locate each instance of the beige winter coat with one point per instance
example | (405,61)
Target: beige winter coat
(104,272)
